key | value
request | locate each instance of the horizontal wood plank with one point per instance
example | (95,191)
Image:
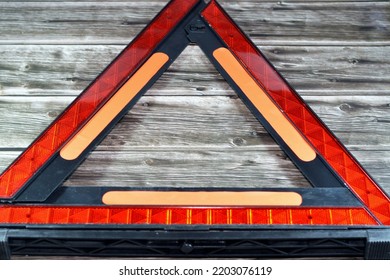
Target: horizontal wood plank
(197,121)
(67,70)
(212,167)
(219,1)
(270,22)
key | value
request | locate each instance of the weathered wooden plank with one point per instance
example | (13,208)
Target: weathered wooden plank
(211,167)
(219,1)
(198,121)
(67,70)
(184,168)
(266,22)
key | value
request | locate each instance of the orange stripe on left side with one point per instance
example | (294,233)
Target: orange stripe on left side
(113,107)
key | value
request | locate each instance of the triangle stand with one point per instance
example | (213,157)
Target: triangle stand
(345,213)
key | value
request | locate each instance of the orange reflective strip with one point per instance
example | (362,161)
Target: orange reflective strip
(113,107)
(264,104)
(202,198)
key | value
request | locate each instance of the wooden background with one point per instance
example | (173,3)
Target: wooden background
(190,130)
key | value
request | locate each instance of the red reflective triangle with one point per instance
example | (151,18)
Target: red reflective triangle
(292,113)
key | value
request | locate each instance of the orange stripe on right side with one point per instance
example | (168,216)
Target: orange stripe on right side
(264,104)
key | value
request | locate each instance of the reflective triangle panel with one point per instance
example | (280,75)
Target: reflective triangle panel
(306,135)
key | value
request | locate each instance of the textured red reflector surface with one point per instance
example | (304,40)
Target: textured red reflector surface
(91,99)
(185,216)
(304,119)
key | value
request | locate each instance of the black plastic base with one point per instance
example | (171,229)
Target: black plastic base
(4,246)
(378,245)
(207,243)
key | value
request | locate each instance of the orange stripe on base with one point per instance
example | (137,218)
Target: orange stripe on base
(264,104)
(202,198)
(113,107)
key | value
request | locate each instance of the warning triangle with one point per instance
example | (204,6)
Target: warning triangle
(343,195)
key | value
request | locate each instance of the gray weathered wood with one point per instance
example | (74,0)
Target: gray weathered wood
(206,167)
(67,70)
(219,1)
(197,121)
(209,168)
(266,22)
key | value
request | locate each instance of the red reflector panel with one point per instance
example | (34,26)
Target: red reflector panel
(184,216)
(304,118)
(92,98)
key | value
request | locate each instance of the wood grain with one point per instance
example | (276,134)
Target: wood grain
(67,70)
(197,121)
(270,22)
(205,167)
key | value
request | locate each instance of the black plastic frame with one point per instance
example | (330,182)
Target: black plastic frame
(200,242)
